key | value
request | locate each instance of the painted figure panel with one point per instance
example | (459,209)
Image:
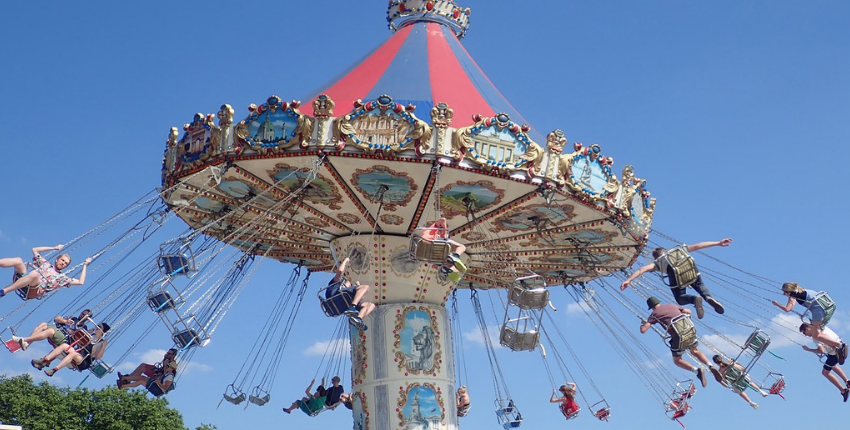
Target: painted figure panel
(401,262)
(271,128)
(498,145)
(417,346)
(533,217)
(420,407)
(359,411)
(481,195)
(319,190)
(382,127)
(380,183)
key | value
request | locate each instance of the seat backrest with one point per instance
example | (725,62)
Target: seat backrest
(683,265)
(526,298)
(684,328)
(431,251)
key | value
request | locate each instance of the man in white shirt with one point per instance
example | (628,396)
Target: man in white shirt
(830,367)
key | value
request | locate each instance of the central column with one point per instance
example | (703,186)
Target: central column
(403,372)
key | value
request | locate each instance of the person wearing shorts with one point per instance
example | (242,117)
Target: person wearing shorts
(664,314)
(831,369)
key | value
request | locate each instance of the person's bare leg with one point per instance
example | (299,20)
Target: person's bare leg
(31,279)
(679,361)
(700,356)
(359,293)
(366,308)
(840,372)
(16,262)
(834,379)
(38,335)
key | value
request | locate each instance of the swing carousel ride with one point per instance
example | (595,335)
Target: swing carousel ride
(416,173)
(414,133)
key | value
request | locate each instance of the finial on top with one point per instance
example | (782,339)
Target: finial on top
(404,12)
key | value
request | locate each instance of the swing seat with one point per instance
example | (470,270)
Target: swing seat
(825,302)
(684,329)
(236,399)
(161,301)
(774,383)
(758,342)
(508,414)
(100,369)
(518,341)
(234,396)
(174,264)
(683,266)
(176,258)
(186,338)
(602,410)
(336,304)
(603,414)
(24,293)
(10,344)
(430,244)
(736,378)
(80,338)
(529,293)
(464,411)
(259,400)
(570,412)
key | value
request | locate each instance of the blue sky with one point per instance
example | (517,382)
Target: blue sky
(736,113)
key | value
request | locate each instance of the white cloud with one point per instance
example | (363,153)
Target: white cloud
(474,335)
(319,348)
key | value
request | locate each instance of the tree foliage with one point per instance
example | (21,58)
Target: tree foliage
(43,406)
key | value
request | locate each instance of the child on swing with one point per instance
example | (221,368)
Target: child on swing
(45,277)
(439,231)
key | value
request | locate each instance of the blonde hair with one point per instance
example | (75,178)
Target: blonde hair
(68,256)
(791,287)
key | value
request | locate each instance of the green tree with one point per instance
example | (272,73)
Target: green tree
(45,407)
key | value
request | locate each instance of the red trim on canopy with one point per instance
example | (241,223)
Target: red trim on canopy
(449,82)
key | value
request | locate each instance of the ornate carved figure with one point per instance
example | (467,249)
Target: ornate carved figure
(421,136)
(532,158)
(461,142)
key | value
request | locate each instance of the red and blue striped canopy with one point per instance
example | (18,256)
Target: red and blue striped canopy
(422,64)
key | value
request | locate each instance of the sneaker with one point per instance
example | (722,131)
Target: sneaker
(39,363)
(24,344)
(699,308)
(352,311)
(458,263)
(717,375)
(842,353)
(50,372)
(754,405)
(701,377)
(845,394)
(715,304)
(356,321)
(454,276)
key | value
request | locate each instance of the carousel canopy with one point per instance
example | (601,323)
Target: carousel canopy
(412,133)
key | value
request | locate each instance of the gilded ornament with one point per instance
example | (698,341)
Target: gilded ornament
(532,158)
(421,136)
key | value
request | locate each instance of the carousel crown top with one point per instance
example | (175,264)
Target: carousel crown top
(403,12)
